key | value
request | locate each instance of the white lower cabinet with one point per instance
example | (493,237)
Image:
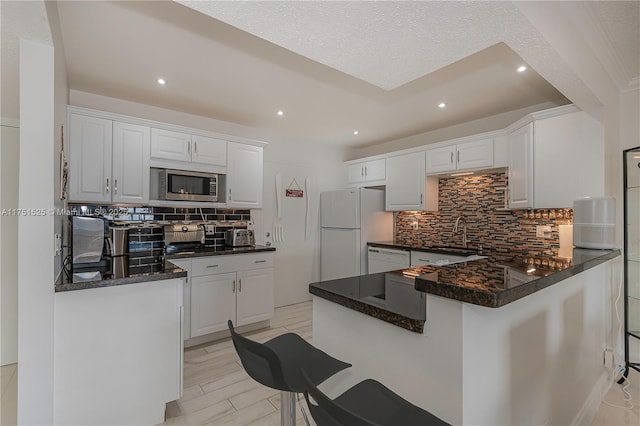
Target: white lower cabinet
(235,287)
(213,302)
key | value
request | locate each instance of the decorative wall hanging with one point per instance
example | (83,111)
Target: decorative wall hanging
(294,190)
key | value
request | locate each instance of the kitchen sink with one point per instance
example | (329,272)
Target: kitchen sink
(422,258)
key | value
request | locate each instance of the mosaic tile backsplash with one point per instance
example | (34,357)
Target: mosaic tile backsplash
(478,199)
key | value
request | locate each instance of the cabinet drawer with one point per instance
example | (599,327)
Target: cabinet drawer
(231,263)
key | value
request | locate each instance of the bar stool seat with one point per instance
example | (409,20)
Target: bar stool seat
(368,403)
(277,364)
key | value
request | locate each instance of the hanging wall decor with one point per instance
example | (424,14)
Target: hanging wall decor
(294,190)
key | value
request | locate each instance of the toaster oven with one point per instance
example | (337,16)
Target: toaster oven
(239,238)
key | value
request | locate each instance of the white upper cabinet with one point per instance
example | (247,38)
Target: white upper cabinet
(470,155)
(186,148)
(557,158)
(244,176)
(170,145)
(108,161)
(209,150)
(521,167)
(90,141)
(407,186)
(130,166)
(367,172)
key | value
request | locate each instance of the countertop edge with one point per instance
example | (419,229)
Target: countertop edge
(413,325)
(176,273)
(228,252)
(497,300)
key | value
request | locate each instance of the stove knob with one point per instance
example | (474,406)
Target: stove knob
(185,228)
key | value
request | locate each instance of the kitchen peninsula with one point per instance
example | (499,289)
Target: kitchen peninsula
(501,340)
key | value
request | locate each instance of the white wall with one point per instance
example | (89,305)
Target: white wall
(9,156)
(35,244)
(297,258)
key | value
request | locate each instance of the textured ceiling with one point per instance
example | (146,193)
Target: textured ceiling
(333,67)
(387,44)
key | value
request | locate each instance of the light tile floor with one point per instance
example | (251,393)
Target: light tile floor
(217,391)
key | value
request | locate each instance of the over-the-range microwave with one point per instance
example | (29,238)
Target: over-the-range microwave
(183,185)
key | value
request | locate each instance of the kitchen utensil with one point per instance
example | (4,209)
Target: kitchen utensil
(278,227)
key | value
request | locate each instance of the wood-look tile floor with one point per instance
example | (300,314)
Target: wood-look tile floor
(217,391)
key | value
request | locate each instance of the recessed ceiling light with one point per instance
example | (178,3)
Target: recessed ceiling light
(442,105)
(280,112)
(522,68)
(355,132)
(162,81)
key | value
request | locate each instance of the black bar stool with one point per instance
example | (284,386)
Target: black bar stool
(369,403)
(277,364)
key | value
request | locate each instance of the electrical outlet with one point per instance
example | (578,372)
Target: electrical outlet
(543,231)
(414,225)
(609,359)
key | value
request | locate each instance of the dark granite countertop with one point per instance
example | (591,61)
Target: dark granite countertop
(116,272)
(218,251)
(108,276)
(492,282)
(389,296)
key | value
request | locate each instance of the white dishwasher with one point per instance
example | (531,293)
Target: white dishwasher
(384,259)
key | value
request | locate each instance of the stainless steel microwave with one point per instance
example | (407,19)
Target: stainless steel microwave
(182,185)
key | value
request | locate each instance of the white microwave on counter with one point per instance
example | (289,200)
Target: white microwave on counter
(183,185)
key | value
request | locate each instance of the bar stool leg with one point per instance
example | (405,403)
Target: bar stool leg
(287,408)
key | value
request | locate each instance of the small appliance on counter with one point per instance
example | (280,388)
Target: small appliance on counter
(594,223)
(88,241)
(239,238)
(183,237)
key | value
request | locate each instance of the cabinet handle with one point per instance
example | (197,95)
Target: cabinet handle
(195,147)
(107,185)
(229,194)
(420,198)
(212,266)
(458,156)
(260,261)
(234,286)
(365,171)
(361,171)
(239,286)
(451,157)
(115,186)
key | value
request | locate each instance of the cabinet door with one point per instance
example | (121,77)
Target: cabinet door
(441,159)
(521,168)
(213,302)
(405,182)
(355,173)
(90,142)
(255,296)
(244,176)
(170,145)
(475,155)
(375,170)
(131,144)
(209,151)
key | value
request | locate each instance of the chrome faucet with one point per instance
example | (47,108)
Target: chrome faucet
(456,227)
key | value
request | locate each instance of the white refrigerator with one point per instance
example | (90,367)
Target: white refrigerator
(350,218)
